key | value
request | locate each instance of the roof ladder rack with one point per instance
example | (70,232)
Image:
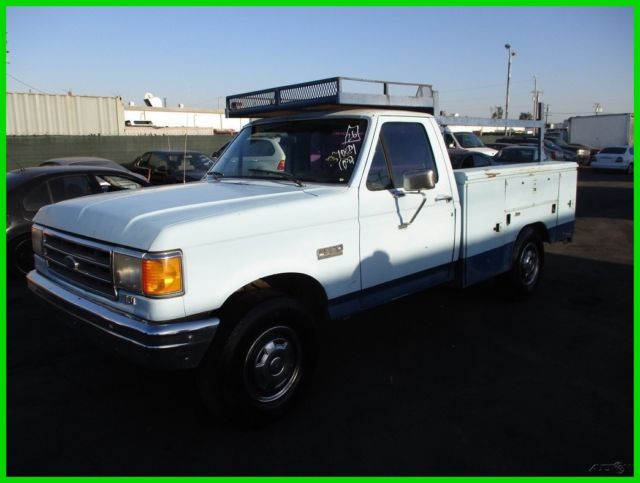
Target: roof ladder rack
(335,93)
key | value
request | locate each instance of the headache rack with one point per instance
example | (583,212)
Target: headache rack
(335,93)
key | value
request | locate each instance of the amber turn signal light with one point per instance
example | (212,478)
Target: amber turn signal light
(162,276)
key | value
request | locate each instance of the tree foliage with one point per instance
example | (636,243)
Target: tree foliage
(497,112)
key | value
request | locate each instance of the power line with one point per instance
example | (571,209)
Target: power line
(24,83)
(480,87)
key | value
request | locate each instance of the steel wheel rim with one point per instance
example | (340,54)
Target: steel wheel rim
(272,367)
(529,264)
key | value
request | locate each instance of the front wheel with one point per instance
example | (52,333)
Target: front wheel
(263,365)
(630,169)
(20,256)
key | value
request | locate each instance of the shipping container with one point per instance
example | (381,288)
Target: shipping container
(602,130)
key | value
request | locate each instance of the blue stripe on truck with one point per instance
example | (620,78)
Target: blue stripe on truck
(465,272)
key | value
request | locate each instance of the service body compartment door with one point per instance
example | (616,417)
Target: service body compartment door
(566,206)
(397,259)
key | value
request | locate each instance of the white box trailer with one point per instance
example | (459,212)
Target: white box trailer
(601,131)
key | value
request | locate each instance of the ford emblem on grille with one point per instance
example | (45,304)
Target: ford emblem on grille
(70,263)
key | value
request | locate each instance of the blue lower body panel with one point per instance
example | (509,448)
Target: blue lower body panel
(465,272)
(373,296)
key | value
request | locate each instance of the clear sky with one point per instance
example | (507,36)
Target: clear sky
(196,56)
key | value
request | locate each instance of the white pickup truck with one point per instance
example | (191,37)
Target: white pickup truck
(231,274)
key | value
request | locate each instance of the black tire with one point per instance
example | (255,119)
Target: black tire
(527,264)
(630,169)
(256,373)
(20,256)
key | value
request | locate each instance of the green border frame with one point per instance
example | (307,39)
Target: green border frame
(297,3)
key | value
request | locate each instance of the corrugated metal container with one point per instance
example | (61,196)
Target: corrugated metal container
(49,114)
(602,130)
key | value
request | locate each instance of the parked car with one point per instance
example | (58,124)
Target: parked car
(83,161)
(455,139)
(29,189)
(519,154)
(463,158)
(583,154)
(615,157)
(166,166)
(552,150)
(259,152)
(216,154)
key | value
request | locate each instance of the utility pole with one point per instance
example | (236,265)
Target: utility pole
(546,115)
(536,97)
(506,105)
(536,100)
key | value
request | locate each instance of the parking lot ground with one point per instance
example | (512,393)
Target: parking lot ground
(445,382)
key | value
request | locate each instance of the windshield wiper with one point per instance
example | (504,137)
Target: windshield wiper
(280,174)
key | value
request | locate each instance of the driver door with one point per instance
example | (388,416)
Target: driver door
(405,244)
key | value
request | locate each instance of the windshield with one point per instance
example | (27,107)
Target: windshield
(319,150)
(468,140)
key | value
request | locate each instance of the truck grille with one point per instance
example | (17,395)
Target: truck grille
(80,262)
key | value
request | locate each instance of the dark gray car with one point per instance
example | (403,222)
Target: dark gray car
(29,189)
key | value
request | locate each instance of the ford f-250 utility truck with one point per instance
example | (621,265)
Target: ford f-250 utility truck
(356,206)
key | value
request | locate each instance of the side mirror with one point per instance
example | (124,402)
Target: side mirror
(419,180)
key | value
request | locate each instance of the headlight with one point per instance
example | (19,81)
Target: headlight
(151,274)
(36,239)
(128,272)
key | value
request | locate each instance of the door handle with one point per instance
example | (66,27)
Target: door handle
(446,198)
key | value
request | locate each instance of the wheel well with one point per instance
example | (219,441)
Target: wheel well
(301,287)
(540,229)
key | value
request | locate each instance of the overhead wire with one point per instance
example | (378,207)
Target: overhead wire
(24,83)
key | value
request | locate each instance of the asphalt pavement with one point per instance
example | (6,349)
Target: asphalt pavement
(445,382)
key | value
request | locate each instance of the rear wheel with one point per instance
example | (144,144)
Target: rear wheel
(259,371)
(527,263)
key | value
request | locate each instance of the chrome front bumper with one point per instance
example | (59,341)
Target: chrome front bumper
(173,345)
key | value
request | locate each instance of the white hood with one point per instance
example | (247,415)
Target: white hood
(177,216)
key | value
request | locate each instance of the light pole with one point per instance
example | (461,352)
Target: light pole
(506,105)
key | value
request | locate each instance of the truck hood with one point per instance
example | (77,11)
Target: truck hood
(485,150)
(176,216)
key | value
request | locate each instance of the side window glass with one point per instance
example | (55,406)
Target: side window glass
(448,140)
(379,178)
(67,187)
(37,198)
(407,149)
(143,162)
(156,161)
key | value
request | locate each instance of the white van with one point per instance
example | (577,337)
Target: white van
(464,139)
